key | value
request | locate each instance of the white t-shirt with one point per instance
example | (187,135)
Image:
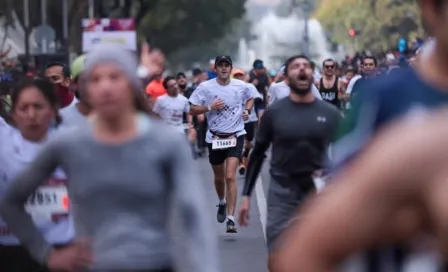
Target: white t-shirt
(280,90)
(255,94)
(229,119)
(15,154)
(352,83)
(71,117)
(172,110)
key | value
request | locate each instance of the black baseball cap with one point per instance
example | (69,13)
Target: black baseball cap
(258,64)
(197,72)
(180,74)
(219,59)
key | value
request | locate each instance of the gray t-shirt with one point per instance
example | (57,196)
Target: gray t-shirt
(120,196)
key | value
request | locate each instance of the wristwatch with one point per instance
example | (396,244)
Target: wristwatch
(209,108)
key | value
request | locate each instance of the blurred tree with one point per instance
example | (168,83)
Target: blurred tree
(168,24)
(380,22)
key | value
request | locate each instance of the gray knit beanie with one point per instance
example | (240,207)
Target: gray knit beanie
(114,54)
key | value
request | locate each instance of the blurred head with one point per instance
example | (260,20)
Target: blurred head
(181,80)
(369,64)
(76,69)
(299,74)
(204,76)
(349,74)
(112,85)
(211,64)
(435,20)
(58,73)
(171,86)
(34,108)
(258,66)
(329,67)
(239,74)
(197,75)
(223,66)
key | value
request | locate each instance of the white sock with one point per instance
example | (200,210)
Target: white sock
(230,217)
(222,201)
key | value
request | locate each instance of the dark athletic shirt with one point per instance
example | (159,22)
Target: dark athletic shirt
(263,83)
(300,134)
(331,94)
(380,101)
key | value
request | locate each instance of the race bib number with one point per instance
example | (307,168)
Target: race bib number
(224,143)
(47,201)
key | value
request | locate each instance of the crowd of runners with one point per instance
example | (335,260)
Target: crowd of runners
(93,157)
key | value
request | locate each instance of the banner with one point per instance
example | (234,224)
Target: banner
(109,31)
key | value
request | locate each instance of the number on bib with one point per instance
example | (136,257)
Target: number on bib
(223,143)
(47,201)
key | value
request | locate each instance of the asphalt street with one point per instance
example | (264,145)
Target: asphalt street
(241,252)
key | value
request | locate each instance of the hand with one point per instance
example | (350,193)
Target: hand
(243,215)
(217,104)
(153,60)
(255,82)
(72,258)
(245,115)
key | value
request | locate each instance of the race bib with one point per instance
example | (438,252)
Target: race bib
(48,201)
(223,143)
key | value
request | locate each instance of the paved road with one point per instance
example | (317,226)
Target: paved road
(241,252)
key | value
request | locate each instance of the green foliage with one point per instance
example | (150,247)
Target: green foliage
(168,24)
(381,22)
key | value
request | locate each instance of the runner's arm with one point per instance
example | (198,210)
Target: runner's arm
(12,206)
(316,92)
(258,154)
(354,212)
(190,197)
(198,101)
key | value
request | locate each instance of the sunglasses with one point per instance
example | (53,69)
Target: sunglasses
(329,66)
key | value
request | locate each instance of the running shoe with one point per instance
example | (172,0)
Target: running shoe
(231,226)
(222,213)
(242,170)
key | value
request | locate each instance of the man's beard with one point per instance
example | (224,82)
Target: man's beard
(300,90)
(183,86)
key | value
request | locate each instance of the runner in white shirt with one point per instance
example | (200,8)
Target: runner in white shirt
(172,106)
(281,90)
(34,109)
(226,103)
(249,125)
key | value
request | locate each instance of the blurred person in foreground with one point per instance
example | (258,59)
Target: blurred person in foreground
(123,143)
(409,93)
(394,193)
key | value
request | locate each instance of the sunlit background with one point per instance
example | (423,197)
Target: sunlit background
(193,32)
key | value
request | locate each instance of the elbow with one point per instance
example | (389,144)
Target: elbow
(194,111)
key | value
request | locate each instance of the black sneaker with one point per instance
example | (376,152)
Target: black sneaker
(222,213)
(242,170)
(231,226)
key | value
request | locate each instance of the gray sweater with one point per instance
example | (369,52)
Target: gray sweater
(121,198)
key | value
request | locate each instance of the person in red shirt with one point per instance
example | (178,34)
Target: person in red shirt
(155,88)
